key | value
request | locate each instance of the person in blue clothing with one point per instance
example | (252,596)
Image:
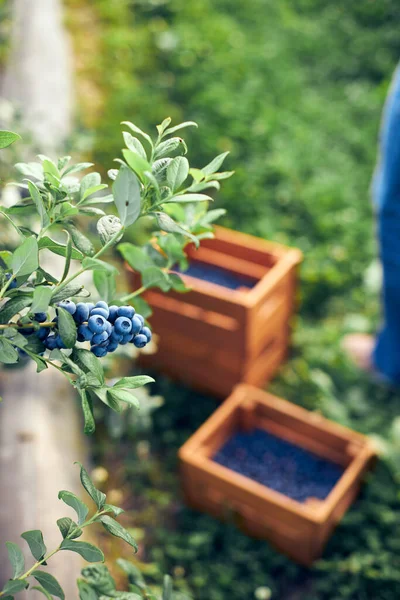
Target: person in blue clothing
(382,353)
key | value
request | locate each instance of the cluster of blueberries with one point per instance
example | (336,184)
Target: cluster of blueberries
(105,327)
(280,465)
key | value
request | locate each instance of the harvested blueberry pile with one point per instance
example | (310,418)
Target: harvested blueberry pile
(217,275)
(280,465)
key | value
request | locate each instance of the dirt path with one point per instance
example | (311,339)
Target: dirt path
(38,77)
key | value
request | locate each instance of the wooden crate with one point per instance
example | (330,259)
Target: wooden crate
(213,337)
(300,530)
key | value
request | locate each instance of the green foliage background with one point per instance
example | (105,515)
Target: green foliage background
(294,89)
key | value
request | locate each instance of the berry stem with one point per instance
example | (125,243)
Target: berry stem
(134,294)
(27,325)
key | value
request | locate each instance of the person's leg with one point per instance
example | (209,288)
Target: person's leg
(384,355)
(386,191)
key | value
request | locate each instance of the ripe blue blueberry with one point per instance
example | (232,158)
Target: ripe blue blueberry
(68,305)
(99,351)
(113,313)
(140,340)
(51,342)
(43,332)
(97,323)
(126,339)
(60,343)
(99,337)
(136,324)
(109,328)
(146,331)
(90,305)
(123,325)
(84,333)
(40,317)
(101,304)
(99,311)
(141,319)
(82,312)
(116,337)
(112,346)
(126,311)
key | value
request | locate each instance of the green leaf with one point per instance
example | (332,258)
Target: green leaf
(38,201)
(67,526)
(180,126)
(126,191)
(169,146)
(86,550)
(7,138)
(134,145)
(6,257)
(109,226)
(66,327)
(137,163)
(167,224)
(50,168)
(74,502)
(136,257)
(215,164)
(34,539)
(12,307)
(111,402)
(41,365)
(92,264)
(177,283)
(86,592)
(136,129)
(184,198)
(8,354)
(49,583)
(123,396)
(25,259)
(161,128)
(115,510)
(13,586)
(87,182)
(41,298)
(177,172)
(98,497)
(81,241)
(90,424)
(91,211)
(131,383)
(155,277)
(117,530)
(167,588)
(141,306)
(212,215)
(40,589)
(105,285)
(88,361)
(71,289)
(76,168)
(57,248)
(16,559)
(68,256)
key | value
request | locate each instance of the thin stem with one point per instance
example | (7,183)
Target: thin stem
(6,286)
(28,325)
(134,294)
(99,253)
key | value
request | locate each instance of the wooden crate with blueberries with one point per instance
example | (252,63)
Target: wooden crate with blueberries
(280,472)
(234,324)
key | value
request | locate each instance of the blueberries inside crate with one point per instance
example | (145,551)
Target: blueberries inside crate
(213,274)
(279,465)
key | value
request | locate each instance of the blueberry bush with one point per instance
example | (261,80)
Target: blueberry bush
(43,320)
